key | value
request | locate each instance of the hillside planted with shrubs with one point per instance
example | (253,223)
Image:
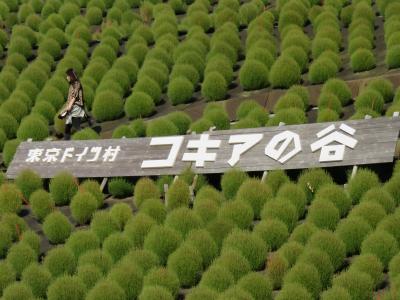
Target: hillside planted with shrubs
(263,239)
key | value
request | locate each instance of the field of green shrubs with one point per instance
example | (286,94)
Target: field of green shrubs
(287,237)
(292,236)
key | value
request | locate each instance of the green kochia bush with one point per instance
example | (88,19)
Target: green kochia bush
(361,183)
(183,220)
(32,239)
(155,209)
(362,60)
(358,284)
(145,188)
(89,274)
(106,289)
(59,261)
(336,292)
(382,86)
(370,264)
(214,86)
(323,214)
(161,127)
(10,199)
(83,205)
(7,275)
(162,241)
(255,193)
(369,99)
(306,275)
(138,227)
(257,285)
(312,180)
(117,245)
(56,227)
(217,278)
(284,73)
(352,232)
(253,75)
(121,213)
(63,187)
(17,290)
(103,224)
(107,106)
(93,187)
(321,70)
(66,286)
(339,88)
(187,263)
(294,289)
(181,120)
(381,244)
(302,233)
(180,90)
(139,105)
(38,278)
(155,292)
(120,188)
(238,212)
(250,246)
(234,262)
(34,128)
(178,195)
(98,258)
(82,241)
(162,277)
(331,244)
(281,209)
(20,256)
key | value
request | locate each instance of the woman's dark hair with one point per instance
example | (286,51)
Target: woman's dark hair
(71,73)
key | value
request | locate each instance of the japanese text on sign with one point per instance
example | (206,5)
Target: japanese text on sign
(286,147)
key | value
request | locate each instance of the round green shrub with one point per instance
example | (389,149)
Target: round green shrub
(392,57)
(250,246)
(155,209)
(120,187)
(161,127)
(299,55)
(312,180)
(121,213)
(183,220)
(129,277)
(93,187)
(321,70)
(362,60)
(287,101)
(214,86)
(123,131)
(94,15)
(10,199)
(295,194)
(382,86)
(38,278)
(13,225)
(370,265)
(20,256)
(145,188)
(138,227)
(89,275)
(201,125)
(302,233)
(382,244)
(281,209)
(17,290)
(220,63)
(322,44)
(107,106)
(335,292)
(294,289)
(145,259)
(257,285)
(217,278)
(253,75)
(358,284)
(291,252)
(187,263)
(103,224)
(306,275)
(162,241)
(56,227)
(361,183)
(181,120)
(163,277)
(284,73)
(204,243)
(380,196)
(320,260)
(139,105)
(66,286)
(32,239)
(116,245)
(154,293)
(59,261)
(82,206)
(276,179)
(335,194)
(149,86)
(98,258)
(180,90)
(352,232)
(8,124)
(187,71)
(234,262)
(369,99)
(85,134)
(274,233)
(82,241)
(238,212)
(7,275)
(277,266)
(34,128)
(389,224)
(331,244)
(178,195)
(106,289)
(63,187)
(255,193)
(199,293)
(392,186)
(323,214)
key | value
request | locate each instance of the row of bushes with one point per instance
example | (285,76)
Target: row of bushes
(390,11)
(361,38)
